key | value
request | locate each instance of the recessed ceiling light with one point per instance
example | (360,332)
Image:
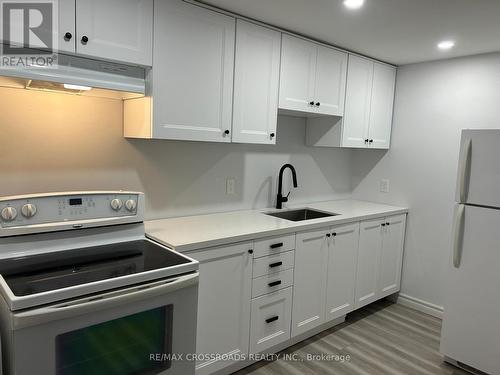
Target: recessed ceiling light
(446,44)
(354,4)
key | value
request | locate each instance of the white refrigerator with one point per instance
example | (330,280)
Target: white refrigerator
(470,336)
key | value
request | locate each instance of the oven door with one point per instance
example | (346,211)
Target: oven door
(146,329)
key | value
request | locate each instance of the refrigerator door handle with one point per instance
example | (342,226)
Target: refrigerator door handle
(464,170)
(458,234)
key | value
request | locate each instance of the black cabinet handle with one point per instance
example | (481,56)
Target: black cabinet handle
(85,39)
(370,141)
(68,36)
(226,132)
(334,234)
(271,135)
(311,103)
(273,319)
(250,251)
(277,264)
(318,104)
(328,234)
(276,245)
(275,283)
(366,140)
(387,224)
(383,224)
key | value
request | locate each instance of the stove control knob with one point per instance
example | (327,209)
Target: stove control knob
(131,205)
(28,210)
(116,204)
(9,213)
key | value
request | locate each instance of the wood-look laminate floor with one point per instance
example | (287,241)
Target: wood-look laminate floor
(382,338)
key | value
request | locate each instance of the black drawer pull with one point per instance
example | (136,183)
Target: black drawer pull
(275,283)
(277,264)
(273,319)
(276,245)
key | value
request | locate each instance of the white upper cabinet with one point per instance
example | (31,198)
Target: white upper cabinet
(379,133)
(67,26)
(367,119)
(313,77)
(298,74)
(193,73)
(120,30)
(358,102)
(369,104)
(331,74)
(256,83)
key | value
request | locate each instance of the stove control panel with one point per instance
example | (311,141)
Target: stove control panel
(52,209)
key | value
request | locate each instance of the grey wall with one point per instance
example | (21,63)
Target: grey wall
(434,101)
(54,142)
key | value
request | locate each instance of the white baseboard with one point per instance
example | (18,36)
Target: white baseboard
(420,305)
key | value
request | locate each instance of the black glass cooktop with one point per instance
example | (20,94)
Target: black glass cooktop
(45,272)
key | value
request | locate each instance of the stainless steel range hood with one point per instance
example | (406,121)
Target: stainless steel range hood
(79,71)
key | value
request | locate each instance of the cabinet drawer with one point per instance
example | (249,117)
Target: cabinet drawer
(270,322)
(271,283)
(273,264)
(274,245)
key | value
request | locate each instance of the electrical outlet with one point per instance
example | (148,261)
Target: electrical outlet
(384,186)
(230,186)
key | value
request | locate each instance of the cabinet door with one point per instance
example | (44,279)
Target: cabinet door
(384,78)
(391,260)
(331,74)
(67,25)
(342,260)
(119,30)
(298,74)
(357,102)
(370,248)
(309,291)
(193,75)
(256,83)
(223,303)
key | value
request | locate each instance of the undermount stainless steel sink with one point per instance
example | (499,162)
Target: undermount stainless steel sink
(301,214)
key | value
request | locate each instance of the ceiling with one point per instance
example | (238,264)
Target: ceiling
(395,31)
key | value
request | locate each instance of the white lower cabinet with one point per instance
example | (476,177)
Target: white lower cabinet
(391,259)
(341,280)
(370,248)
(256,295)
(379,258)
(223,303)
(309,290)
(271,316)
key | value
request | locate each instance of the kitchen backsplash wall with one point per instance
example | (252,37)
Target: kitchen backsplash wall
(53,142)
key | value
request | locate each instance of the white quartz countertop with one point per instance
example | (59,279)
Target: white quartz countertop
(197,232)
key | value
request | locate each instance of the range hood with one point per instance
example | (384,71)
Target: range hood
(79,72)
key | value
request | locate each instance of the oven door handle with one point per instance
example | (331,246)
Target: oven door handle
(102,301)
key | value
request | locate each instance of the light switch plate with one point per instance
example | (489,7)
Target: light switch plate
(384,186)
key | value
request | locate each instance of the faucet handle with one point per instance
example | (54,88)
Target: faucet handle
(285,198)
